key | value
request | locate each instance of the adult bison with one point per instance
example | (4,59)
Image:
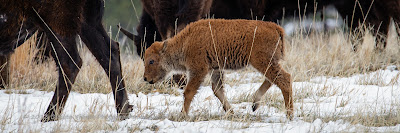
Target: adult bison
(376,13)
(62,21)
(160,19)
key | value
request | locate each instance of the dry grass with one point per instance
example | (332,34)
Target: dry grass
(27,73)
(307,57)
(332,55)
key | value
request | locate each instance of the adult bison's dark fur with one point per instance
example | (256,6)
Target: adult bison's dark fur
(62,21)
(162,18)
(377,13)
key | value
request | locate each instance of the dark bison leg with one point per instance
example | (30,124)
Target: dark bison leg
(106,52)
(101,46)
(180,80)
(380,19)
(388,9)
(68,63)
(381,30)
(4,70)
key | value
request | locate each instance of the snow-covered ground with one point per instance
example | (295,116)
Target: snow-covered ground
(323,104)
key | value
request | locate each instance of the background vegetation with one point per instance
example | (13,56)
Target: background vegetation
(123,12)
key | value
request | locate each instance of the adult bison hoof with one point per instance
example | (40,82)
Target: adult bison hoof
(124,113)
(49,117)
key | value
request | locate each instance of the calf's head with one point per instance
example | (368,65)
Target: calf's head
(154,70)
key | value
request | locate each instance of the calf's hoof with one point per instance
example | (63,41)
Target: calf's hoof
(184,116)
(230,112)
(289,114)
(255,106)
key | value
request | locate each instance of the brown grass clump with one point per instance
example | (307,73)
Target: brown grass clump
(26,73)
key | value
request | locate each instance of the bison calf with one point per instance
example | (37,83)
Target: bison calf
(214,45)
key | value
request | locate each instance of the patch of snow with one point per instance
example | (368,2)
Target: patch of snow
(320,97)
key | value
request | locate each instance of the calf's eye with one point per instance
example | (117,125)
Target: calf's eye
(151,62)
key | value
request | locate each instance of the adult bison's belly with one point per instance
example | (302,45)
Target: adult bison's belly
(14,31)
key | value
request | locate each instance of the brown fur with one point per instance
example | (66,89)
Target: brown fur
(214,45)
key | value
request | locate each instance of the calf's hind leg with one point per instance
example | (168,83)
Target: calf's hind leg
(218,89)
(259,93)
(278,76)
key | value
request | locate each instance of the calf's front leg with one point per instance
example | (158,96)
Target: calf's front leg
(195,79)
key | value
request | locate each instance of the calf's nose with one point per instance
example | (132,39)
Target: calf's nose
(145,79)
